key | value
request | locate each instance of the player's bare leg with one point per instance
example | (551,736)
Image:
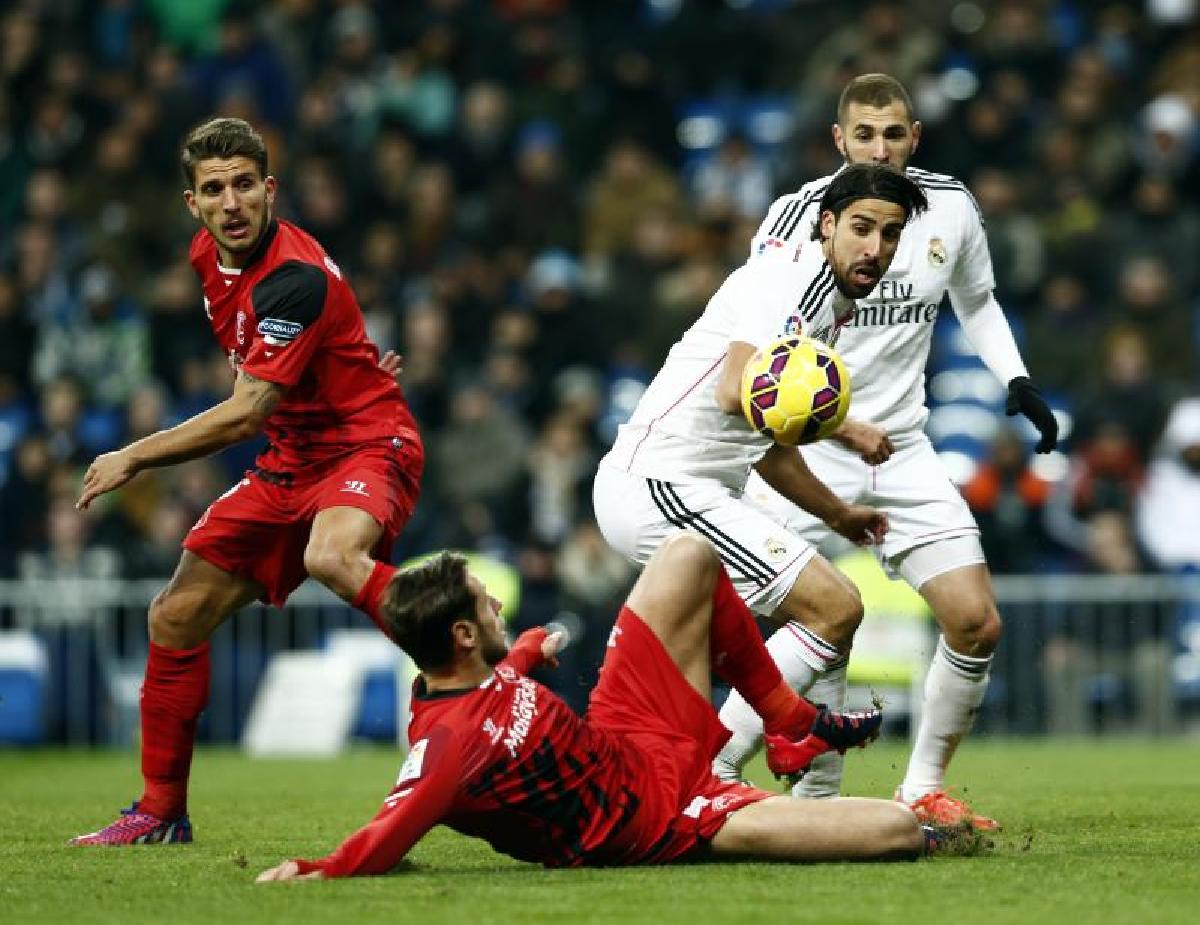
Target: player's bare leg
(338,555)
(821,830)
(825,602)
(965,608)
(820,614)
(687,600)
(197,599)
(673,596)
(339,547)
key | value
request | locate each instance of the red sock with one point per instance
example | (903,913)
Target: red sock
(370,595)
(174,693)
(741,659)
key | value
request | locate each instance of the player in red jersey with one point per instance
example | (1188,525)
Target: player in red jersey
(498,756)
(329,494)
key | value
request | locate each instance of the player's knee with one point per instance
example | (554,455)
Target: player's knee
(174,623)
(689,555)
(846,609)
(975,629)
(327,563)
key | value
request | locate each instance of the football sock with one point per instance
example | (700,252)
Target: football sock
(174,693)
(954,689)
(370,595)
(740,658)
(824,777)
(801,656)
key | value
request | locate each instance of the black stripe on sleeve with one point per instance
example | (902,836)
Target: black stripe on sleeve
(954,187)
(813,196)
(783,218)
(289,299)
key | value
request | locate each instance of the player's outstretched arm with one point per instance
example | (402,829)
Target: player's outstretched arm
(988,331)
(238,418)
(784,469)
(422,796)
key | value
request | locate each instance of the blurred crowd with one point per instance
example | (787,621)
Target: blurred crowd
(528,215)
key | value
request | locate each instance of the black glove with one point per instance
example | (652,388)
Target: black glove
(1023,396)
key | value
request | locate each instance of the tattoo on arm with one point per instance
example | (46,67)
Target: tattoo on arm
(264,396)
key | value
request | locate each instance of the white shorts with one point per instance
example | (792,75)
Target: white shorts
(923,506)
(636,514)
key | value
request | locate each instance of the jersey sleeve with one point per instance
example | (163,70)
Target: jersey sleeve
(972,272)
(423,794)
(288,303)
(761,296)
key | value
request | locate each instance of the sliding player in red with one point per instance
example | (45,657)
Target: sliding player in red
(330,493)
(498,756)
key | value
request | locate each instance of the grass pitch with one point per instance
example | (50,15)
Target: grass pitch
(1096,831)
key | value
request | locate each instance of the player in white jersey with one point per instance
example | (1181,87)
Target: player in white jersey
(882,456)
(683,459)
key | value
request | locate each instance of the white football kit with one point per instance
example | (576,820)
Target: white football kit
(681,462)
(930,528)
(885,347)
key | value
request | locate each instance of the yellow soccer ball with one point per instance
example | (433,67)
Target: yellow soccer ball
(795,390)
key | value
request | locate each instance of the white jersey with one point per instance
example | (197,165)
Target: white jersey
(886,345)
(678,433)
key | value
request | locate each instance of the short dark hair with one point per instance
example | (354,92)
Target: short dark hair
(223,137)
(876,90)
(869,181)
(423,602)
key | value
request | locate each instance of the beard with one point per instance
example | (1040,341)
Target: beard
(855,290)
(494,651)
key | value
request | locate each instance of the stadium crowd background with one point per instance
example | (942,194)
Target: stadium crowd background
(533,198)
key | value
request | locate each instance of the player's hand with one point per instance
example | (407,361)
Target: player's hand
(288,870)
(552,645)
(544,641)
(862,525)
(108,472)
(392,364)
(869,441)
(1024,397)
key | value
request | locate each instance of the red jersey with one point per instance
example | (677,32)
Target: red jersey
(290,318)
(511,763)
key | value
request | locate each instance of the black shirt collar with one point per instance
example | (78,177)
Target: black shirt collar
(263,244)
(420,692)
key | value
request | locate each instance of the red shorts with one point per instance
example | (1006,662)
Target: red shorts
(259,528)
(644,699)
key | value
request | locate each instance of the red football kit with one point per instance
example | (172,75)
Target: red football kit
(342,435)
(509,762)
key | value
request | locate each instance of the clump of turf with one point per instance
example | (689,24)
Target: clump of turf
(964,841)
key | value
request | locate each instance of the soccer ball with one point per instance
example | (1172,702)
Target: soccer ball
(795,390)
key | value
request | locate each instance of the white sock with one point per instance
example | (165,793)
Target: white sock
(802,656)
(954,689)
(824,778)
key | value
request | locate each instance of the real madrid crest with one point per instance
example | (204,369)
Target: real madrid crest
(937,252)
(776,549)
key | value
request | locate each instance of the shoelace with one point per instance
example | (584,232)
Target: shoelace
(130,820)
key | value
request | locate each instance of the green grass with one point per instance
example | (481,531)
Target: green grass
(1095,832)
